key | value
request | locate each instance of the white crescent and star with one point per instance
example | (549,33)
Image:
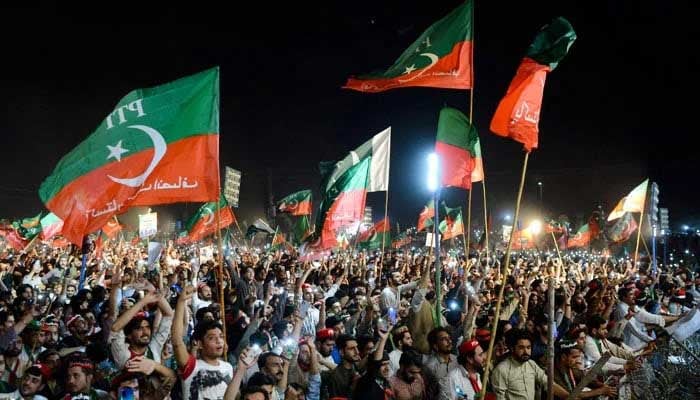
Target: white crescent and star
(433,60)
(159,147)
(210,217)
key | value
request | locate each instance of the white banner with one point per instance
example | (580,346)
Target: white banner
(148,224)
(232,186)
(429,242)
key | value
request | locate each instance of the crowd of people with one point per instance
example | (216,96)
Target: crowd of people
(354,325)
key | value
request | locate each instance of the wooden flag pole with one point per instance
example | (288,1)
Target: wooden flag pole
(386,213)
(506,264)
(220,261)
(468,235)
(639,234)
(486,217)
(556,246)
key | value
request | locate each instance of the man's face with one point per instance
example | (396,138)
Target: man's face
(384,369)
(444,343)
(70,291)
(396,278)
(10,322)
(213,343)
(31,384)
(27,293)
(522,350)
(141,336)
(326,347)
(368,347)
(630,298)
(77,381)
(273,368)
(350,353)
(478,360)
(336,308)
(409,374)
(249,274)
(601,332)
(407,340)
(308,295)
(571,360)
(206,293)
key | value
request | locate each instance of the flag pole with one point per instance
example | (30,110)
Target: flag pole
(639,232)
(386,213)
(220,261)
(486,217)
(556,246)
(468,236)
(506,264)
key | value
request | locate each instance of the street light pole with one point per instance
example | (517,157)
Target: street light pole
(434,186)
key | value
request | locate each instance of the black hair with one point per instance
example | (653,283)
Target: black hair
(134,323)
(262,360)
(201,329)
(594,322)
(362,340)
(433,335)
(199,315)
(260,379)
(252,390)
(411,357)
(342,341)
(623,292)
(516,335)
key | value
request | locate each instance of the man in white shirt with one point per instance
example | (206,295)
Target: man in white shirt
(391,294)
(465,381)
(402,338)
(597,344)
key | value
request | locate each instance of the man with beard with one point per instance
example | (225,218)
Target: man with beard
(50,327)
(277,369)
(465,381)
(31,384)
(391,294)
(408,382)
(340,381)
(516,376)
(79,377)
(441,360)
(206,376)
(568,375)
(201,298)
(131,334)
(325,342)
(374,384)
(402,339)
(13,370)
(33,338)
(597,343)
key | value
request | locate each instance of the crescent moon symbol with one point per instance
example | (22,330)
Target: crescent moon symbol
(433,60)
(210,217)
(159,147)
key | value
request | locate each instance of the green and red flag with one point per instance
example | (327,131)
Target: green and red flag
(112,227)
(441,57)
(204,222)
(160,145)
(51,225)
(456,146)
(581,239)
(279,241)
(298,203)
(452,225)
(28,228)
(622,229)
(518,114)
(425,218)
(13,239)
(302,229)
(379,234)
(402,240)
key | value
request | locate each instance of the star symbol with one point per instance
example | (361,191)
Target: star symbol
(410,69)
(116,151)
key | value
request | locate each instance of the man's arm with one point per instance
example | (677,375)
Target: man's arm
(178,329)
(235,386)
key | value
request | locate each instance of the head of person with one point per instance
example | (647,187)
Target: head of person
(471,355)
(126,382)
(77,325)
(403,339)
(440,341)
(396,278)
(271,365)
(366,344)
(295,392)
(210,337)
(325,341)
(138,331)
(597,327)
(255,393)
(34,379)
(204,314)
(7,320)
(333,306)
(79,375)
(248,274)
(51,359)
(70,291)
(410,366)
(262,381)
(626,295)
(381,368)
(348,347)
(520,344)
(14,348)
(308,293)
(335,323)
(204,292)
(568,354)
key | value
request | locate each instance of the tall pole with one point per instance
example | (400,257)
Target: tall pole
(486,217)
(468,235)
(639,236)
(386,213)
(550,340)
(436,238)
(220,261)
(506,265)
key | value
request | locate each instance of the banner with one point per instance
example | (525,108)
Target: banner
(148,224)
(232,186)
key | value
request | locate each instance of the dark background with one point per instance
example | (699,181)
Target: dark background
(618,109)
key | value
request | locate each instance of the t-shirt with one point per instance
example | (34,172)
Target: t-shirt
(203,381)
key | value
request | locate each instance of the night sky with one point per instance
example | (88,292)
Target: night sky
(614,111)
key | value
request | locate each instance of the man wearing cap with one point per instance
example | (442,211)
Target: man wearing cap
(31,384)
(516,377)
(325,343)
(464,382)
(567,373)
(79,378)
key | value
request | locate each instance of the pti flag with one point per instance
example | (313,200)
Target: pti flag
(518,114)
(425,218)
(633,202)
(298,203)
(159,145)
(51,226)
(456,145)
(204,222)
(441,57)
